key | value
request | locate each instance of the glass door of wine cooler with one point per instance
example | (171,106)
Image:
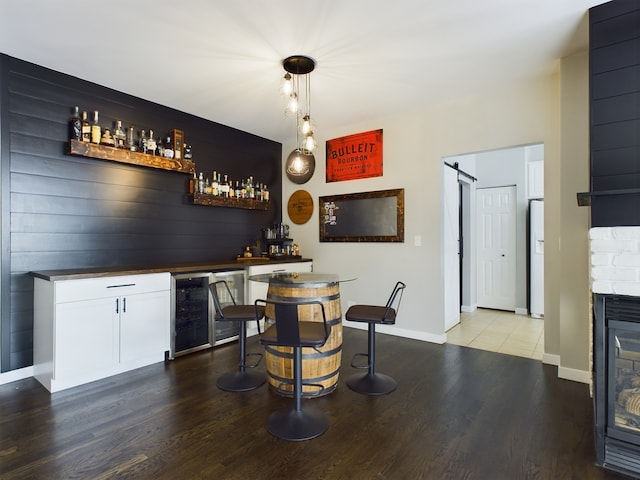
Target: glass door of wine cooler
(224,332)
(191,313)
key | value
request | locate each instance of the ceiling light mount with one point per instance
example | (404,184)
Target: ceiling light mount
(299,64)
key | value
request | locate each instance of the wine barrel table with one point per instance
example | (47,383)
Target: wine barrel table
(321,366)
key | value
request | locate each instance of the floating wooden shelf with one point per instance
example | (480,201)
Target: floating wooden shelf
(102,152)
(229,202)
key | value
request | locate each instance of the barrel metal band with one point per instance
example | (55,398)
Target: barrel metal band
(314,355)
(280,298)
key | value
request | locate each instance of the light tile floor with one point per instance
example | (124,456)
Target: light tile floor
(499,331)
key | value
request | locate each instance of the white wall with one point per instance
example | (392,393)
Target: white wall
(414,145)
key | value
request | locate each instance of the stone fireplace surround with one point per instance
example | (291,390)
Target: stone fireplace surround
(615,260)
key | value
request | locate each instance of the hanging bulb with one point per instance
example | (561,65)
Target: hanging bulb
(309,143)
(292,107)
(305,126)
(286,85)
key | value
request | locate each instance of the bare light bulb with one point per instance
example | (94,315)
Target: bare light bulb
(292,106)
(305,127)
(286,86)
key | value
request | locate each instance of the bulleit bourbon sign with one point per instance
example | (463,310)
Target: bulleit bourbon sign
(354,156)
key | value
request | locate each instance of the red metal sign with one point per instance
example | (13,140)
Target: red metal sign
(354,156)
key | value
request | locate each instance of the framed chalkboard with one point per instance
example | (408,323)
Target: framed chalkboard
(363,217)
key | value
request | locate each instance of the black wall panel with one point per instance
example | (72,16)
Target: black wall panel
(60,211)
(615,112)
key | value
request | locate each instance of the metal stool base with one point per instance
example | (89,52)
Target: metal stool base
(240,381)
(297,425)
(371,384)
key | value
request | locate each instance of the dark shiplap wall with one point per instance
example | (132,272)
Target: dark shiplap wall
(60,211)
(615,111)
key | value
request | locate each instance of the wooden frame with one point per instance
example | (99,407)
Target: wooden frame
(362,217)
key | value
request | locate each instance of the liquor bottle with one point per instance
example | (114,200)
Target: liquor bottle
(225,187)
(201,183)
(193,183)
(232,191)
(86,128)
(95,128)
(214,184)
(106,138)
(207,186)
(151,144)
(188,155)
(75,125)
(119,137)
(143,141)
(131,140)
(265,194)
(168,148)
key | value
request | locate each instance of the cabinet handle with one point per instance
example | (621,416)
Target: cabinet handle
(124,305)
(123,285)
(117,305)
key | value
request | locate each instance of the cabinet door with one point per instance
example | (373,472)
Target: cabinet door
(144,326)
(86,337)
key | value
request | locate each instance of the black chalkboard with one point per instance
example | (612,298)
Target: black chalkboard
(363,217)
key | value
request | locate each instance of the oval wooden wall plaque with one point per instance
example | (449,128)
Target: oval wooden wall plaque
(300,207)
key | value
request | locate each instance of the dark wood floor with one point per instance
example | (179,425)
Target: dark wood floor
(458,413)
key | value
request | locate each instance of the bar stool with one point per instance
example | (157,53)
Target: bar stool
(240,380)
(288,331)
(372,383)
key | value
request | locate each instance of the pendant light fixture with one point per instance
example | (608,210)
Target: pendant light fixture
(301,163)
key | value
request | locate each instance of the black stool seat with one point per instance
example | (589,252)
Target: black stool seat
(371,382)
(288,331)
(240,380)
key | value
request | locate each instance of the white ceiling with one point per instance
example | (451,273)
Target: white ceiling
(221,60)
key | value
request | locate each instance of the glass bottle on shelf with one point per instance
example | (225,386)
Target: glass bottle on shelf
(168,148)
(193,183)
(143,141)
(75,124)
(131,139)
(188,154)
(214,184)
(96,131)
(86,128)
(201,183)
(151,144)
(225,187)
(106,138)
(119,137)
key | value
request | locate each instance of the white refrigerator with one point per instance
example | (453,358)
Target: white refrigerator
(536,258)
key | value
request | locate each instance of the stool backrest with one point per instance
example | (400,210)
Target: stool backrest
(213,287)
(395,298)
(288,321)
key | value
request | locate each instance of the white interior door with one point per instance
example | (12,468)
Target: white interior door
(451,260)
(496,273)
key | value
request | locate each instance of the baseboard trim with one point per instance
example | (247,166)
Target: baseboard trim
(574,375)
(14,375)
(550,359)
(522,311)
(468,308)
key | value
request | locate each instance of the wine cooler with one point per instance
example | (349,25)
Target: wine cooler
(193,325)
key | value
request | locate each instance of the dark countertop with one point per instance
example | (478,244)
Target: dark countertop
(213,266)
